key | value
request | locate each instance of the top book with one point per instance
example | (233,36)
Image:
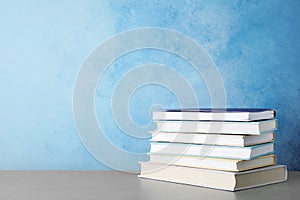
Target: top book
(218,114)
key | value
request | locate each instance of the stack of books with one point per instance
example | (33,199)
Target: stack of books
(227,149)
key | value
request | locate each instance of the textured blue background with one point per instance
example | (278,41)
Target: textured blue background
(255,45)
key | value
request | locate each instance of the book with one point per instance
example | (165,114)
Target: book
(242,153)
(214,163)
(212,139)
(228,114)
(245,128)
(216,179)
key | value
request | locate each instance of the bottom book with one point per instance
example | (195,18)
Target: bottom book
(216,179)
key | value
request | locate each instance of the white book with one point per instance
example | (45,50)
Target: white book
(216,179)
(212,139)
(229,114)
(250,128)
(242,153)
(214,163)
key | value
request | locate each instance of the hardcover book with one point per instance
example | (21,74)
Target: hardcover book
(212,139)
(216,179)
(228,114)
(242,153)
(214,163)
(246,128)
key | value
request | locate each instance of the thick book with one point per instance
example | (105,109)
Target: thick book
(249,128)
(214,151)
(212,139)
(214,163)
(228,114)
(216,179)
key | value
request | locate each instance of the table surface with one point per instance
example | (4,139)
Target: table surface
(88,185)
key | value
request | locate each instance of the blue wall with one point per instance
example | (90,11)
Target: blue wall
(255,45)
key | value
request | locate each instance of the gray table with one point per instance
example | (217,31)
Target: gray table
(85,185)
